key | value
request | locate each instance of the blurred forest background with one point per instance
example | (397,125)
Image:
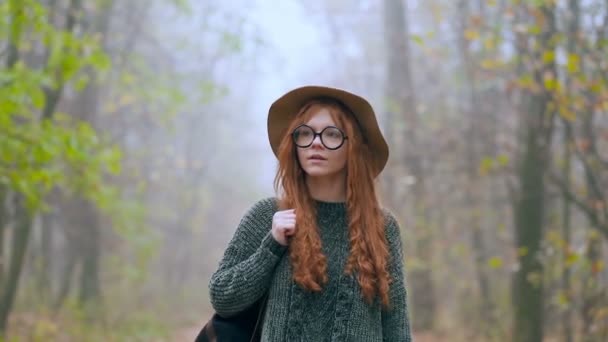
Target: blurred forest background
(132,140)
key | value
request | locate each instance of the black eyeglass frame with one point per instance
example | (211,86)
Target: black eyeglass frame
(320,135)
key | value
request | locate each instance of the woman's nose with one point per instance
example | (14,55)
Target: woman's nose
(317,141)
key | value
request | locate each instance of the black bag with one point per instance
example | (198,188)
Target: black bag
(246,326)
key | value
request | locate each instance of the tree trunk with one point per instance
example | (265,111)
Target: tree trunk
(15,31)
(529,210)
(529,206)
(472,194)
(568,330)
(65,281)
(566,233)
(9,284)
(89,281)
(3,224)
(44,269)
(593,291)
(87,108)
(19,247)
(401,99)
(54,94)
(83,248)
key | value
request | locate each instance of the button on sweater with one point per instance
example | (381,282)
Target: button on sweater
(254,264)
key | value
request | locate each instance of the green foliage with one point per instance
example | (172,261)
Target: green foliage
(488,164)
(417,39)
(72,325)
(38,155)
(495,262)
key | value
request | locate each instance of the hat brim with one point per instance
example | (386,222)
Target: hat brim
(283,110)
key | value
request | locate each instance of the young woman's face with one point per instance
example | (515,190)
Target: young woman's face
(319,160)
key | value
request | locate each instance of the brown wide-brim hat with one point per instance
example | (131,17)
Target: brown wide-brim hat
(284,109)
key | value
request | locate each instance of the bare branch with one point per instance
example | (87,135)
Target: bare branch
(589,211)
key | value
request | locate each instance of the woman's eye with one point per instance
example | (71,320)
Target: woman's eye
(333,134)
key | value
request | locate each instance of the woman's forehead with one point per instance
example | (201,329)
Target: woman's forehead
(321,117)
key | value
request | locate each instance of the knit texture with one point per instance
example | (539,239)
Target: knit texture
(254,263)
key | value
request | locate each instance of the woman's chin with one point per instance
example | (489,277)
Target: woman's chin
(318,172)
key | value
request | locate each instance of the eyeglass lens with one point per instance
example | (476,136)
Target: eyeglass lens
(331,137)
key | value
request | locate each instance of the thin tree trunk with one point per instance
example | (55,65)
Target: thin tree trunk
(46,245)
(3,224)
(65,281)
(472,194)
(592,288)
(18,250)
(89,281)
(529,203)
(8,289)
(566,233)
(14,34)
(46,219)
(402,99)
(54,94)
(87,106)
(566,171)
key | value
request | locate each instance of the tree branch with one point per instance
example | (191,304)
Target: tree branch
(590,212)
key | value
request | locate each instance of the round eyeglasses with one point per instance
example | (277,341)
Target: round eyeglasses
(331,137)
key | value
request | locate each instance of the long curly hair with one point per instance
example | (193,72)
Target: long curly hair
(368,257)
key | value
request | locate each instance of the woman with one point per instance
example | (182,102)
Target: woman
(325,253)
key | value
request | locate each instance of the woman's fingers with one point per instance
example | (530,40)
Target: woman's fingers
(284,225)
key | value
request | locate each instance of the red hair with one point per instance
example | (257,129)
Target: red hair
(368,246)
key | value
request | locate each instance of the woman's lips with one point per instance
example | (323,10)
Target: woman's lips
(317,157)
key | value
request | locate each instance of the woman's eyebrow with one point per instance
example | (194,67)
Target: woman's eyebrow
(319,128)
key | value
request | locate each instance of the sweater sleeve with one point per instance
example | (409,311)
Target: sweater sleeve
(395,320)
(245,270)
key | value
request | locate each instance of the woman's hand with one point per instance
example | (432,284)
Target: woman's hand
(283,225)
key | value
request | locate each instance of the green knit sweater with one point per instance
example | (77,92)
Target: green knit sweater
(255,263)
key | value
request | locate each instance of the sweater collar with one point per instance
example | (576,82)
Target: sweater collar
(330,207)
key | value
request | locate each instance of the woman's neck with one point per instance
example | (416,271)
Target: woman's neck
(327,189)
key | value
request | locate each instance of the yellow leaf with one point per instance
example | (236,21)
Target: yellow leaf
(572,259)
(600,313)
(596,87)
(573,63)
(495,262)
(554,237)
(550,84)
(534,30)
(597,267)
(489,43)
(418,39)
(548,57)
(526,81)
(485,166)
(567,114)
(471,34)
(503,160)
(488,64)
(562,300)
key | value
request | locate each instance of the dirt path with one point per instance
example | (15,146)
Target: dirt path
(186,334)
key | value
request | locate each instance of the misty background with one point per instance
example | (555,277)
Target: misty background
(133,139)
